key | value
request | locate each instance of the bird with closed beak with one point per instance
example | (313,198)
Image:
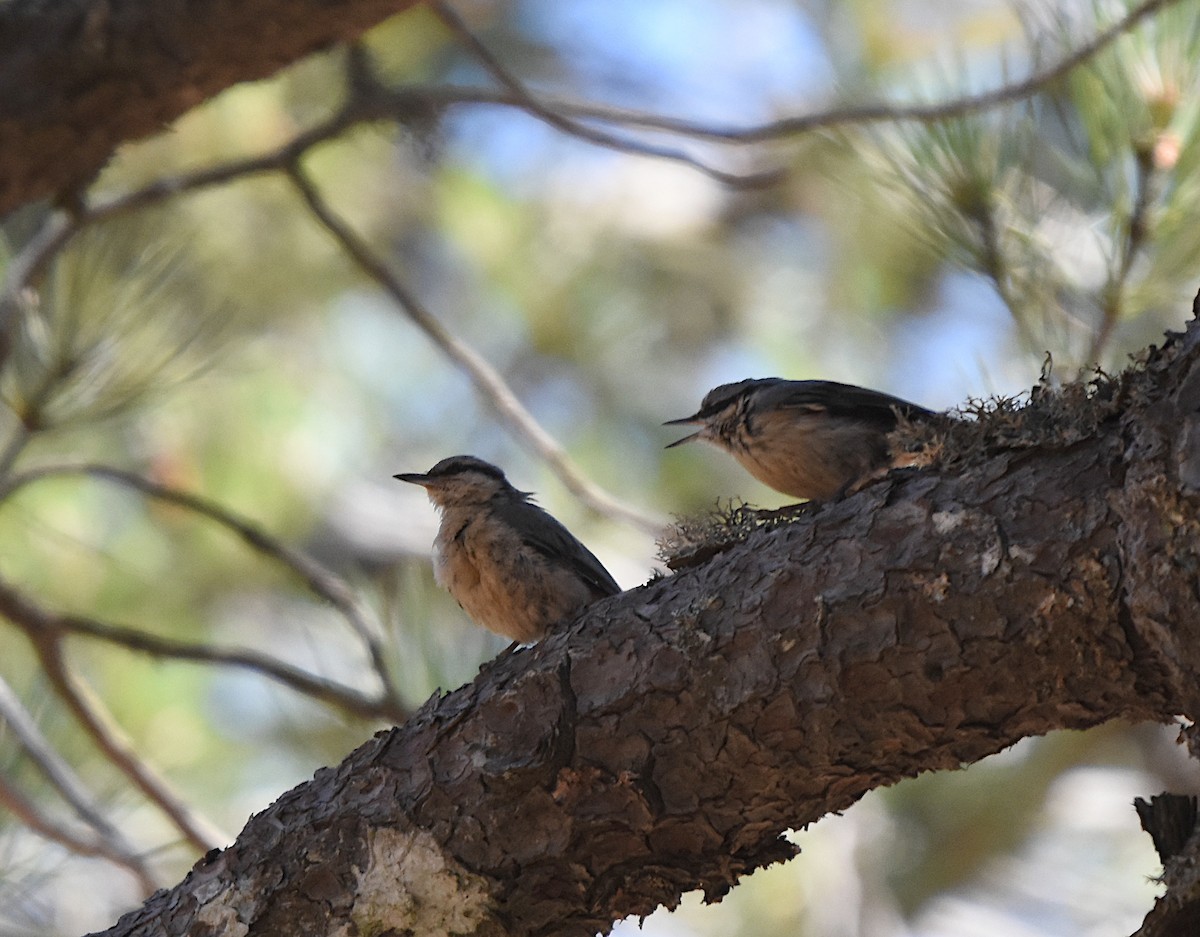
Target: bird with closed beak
(808,439)
(511,566)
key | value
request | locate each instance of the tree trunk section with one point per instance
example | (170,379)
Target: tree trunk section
(80,77)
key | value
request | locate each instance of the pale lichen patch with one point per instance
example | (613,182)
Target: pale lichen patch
(945,522)
(410,886)
(218,914)
(989,559)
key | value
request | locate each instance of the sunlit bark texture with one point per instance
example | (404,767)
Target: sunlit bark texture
(1042,575)
(79,77)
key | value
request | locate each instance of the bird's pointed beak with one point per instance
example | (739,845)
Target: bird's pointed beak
(685,421)
(413,478)
(680,442)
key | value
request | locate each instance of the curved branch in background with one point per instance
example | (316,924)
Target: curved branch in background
(109,842)
(922,113)
(1138,232)
(370,101)
(27,268)
(103,730)
(483,376)
(37,622)
(78,80)
(24,727)
(318,688)
(322,582)
(45,633)
(28,813)
(564,114)
(531,104)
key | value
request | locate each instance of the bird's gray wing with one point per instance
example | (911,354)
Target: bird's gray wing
(551,539)
(843,400)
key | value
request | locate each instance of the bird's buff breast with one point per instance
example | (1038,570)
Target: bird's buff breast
(504,585)
(807,457)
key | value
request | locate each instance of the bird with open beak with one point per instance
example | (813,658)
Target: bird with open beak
(807,439)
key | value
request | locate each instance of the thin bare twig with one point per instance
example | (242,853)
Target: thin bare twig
(373,102)
(1137,231)
(38,622)
(849,115)
(527,101)
(923,113)
(24,809)
(487,380)
(45,632)
(103,729)
(319,688)
(320,581)
(370,102)
(110,842)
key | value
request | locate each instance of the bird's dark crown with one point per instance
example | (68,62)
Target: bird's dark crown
(458,464)
(721,397)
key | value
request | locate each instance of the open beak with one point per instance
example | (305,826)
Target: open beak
(413,478)
(685,421)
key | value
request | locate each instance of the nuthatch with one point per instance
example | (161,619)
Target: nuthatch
(511,566)
(808,439)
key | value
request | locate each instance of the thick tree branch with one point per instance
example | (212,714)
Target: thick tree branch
(667,739)
(80,77)
(1171,822)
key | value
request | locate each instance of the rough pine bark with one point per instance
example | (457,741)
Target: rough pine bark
(80,77)
(1043,577)
(1172,822)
